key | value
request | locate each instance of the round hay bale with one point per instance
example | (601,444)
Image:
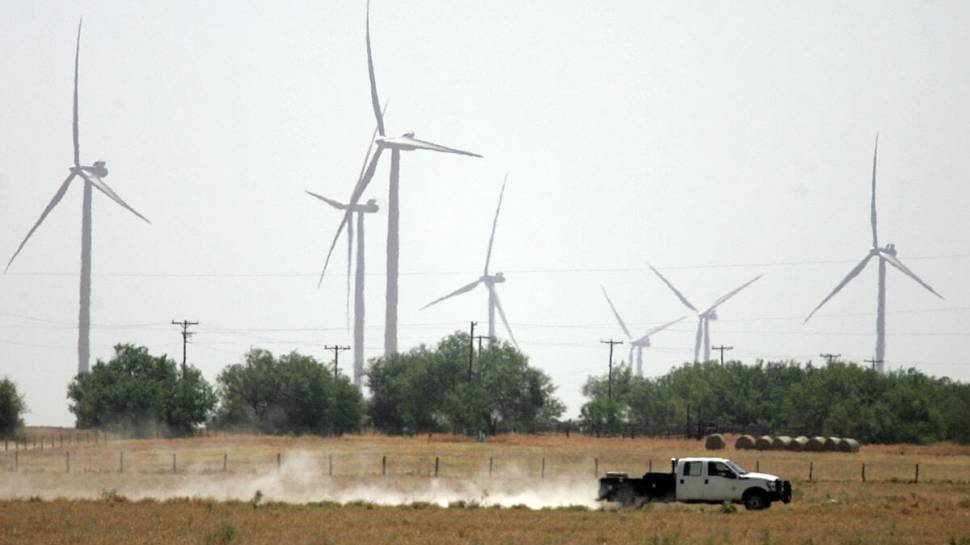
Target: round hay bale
(848,445)
(714,441)
(798,444)
(763,443)
(781,442)
(832,444)
(744,442)
(815,444)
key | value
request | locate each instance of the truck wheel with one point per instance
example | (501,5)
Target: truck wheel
(755,501)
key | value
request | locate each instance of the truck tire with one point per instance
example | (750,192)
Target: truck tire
(756,500)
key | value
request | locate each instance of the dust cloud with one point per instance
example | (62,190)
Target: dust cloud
(300,481)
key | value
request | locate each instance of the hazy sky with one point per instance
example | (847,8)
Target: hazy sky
(716,141)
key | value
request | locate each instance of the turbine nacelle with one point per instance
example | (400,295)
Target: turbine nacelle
(97,170)
(491,279)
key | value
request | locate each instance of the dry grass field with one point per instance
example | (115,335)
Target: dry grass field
(540,490)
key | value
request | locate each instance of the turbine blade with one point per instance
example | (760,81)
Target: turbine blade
(852,274)
(501,313)
(77,59)
(354,198)
(617,314)
(731,294)
(431,146)
(459,291)
(895,262)
(375,101)
(50,206)
(491,238)
(106,189)
(331,202)
(872,207)
(672,288)
(646,336)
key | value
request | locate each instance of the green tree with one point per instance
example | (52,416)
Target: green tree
(427,390)
(290,394)
(12,408)
(138,394)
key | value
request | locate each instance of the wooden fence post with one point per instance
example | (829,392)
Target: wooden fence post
(650,466)
(436,467)
(490,462)
(757,466)
(811,469)
(67,461)
(16,460)
(384,465)
(173,463)
(863,472)
(225,462)
(596,467)
(330,465)
(916,480)
(542,472)
(121,461)
(279,461)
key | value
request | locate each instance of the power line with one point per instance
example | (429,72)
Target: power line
(510,271)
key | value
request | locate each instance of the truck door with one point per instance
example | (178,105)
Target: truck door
(690,481)
(720,483)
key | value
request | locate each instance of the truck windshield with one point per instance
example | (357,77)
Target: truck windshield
(737,469)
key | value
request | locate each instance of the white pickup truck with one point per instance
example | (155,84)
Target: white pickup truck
(697,480)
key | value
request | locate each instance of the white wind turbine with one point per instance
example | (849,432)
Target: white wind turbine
(93,177)
(405,142)
(489,281)
(886,254)
(370,207)
(703,335)
(637,345)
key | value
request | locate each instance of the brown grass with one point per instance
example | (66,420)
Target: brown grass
(836,508)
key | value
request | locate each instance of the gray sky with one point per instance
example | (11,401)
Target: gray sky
(714,140)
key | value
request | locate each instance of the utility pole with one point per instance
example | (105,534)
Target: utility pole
(876,364)
(185,339)
(721,349)
(471,349)
(829,358)
(612,343)
(336,355)
(479,338)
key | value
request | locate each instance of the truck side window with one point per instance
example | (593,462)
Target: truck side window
(693,469)
(718,469)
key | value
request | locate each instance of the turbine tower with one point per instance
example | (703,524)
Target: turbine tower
(886,254)
(370,207)
(637,345)
(93,177)
(489,280)
(405,142)
(704,318)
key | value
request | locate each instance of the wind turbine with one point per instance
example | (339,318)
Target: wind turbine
(370,207)
(93,176)
(637,345)
(704,318)
(886,254)
(405,142)
(489,281)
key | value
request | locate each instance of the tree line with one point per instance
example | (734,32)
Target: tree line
(435,389)
(837,399)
